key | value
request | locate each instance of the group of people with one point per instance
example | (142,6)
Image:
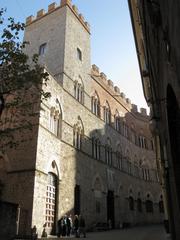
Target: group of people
(68,226)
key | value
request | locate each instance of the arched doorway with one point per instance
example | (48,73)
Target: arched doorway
(51,202)
(110,209)
(173,113)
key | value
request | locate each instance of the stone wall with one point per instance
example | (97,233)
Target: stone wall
(8,218)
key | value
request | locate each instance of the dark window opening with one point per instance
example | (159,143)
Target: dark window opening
(98,207)
(131,203)
(1,104)
(161,207)
(77,203)
(42,49)
(79,54)
(149,206)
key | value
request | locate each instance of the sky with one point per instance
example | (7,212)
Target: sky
(112,42)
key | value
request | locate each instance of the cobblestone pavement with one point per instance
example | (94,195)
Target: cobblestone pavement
(152,232)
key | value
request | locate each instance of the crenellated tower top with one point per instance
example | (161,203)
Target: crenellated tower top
(53,7)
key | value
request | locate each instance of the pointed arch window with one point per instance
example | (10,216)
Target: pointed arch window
(117,121)
(119,157)
(149,204)
(161,205)
(77,138)
(95,104)
(78,135)
(129,165)
(136,168)
(108,153)
(131,203)
(55,120)
(107,113)
(96,148)
(79,90)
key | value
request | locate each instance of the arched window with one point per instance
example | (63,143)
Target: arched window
(96,148)
(107,113)
(78,135)
(131,203)
(149,205)
(55,119)
(108,152)
(119,157)
(161,205)
(129,165)
(117,121)
(95,104)
(97,193)
(79,90)
(136,168)
(51,190)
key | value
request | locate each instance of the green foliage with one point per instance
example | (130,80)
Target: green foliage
(22,81)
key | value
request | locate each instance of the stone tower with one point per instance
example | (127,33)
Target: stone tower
(62,39)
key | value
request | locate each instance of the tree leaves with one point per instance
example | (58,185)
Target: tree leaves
(22,84)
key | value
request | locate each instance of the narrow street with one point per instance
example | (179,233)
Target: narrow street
(152,232)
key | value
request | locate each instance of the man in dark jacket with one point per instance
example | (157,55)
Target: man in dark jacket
(76,226)
(82,226)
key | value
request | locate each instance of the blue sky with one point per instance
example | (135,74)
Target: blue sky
(112,42)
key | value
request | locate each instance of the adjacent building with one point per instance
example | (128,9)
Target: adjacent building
(156,26)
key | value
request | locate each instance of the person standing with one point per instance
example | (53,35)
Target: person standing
(67,225)
(71,224)
(76,226)
(82,226)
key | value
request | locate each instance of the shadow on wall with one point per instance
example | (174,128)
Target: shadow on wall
(100,159)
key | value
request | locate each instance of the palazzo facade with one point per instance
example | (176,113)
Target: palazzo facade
(91,151)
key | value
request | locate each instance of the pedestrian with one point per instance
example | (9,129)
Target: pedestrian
(71,224)
(34,234)
(63,225)
(59,228)
(82,226)
(76,226)
(67,225)
(110,224)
